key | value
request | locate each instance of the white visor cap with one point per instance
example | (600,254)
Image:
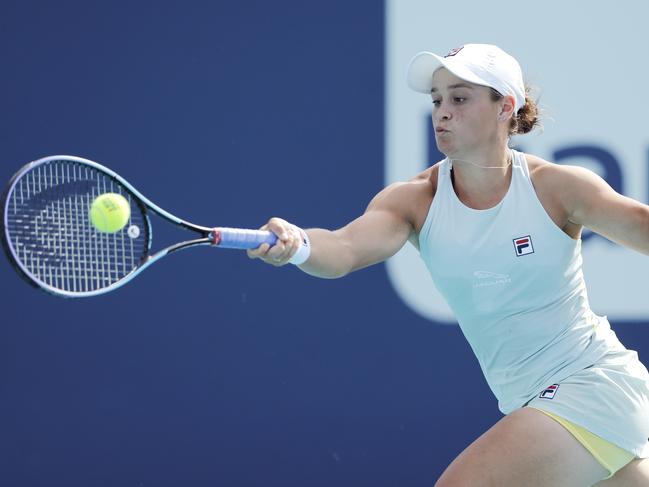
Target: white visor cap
(481,64)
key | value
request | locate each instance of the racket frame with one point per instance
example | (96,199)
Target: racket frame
(209,236)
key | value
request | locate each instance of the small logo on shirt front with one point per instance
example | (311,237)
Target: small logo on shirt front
(487,278)
(549,392)
(454,51)
(523,245)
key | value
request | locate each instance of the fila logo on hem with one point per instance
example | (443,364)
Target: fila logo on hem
(523,245)
(549,392)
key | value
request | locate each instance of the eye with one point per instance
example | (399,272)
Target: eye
(436,102)
(459,99)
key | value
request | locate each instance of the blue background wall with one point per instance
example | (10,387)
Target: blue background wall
(210,369)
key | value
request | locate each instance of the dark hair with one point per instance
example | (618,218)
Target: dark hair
(527,116)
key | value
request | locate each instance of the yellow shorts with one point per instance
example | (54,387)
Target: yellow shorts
(610,456)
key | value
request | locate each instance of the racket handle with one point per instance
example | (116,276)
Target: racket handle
(239,238)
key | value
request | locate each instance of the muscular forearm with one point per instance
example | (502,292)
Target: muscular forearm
(331,257)
(329,254)
(371,238)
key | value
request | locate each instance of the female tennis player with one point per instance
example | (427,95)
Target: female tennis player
(499,231)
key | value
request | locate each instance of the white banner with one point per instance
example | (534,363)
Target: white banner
(589,62)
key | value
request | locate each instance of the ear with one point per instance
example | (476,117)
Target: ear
(507,108)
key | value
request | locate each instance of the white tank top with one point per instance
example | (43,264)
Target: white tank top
(514,281)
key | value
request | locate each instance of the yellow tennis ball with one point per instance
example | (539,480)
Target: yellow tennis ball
(109,212)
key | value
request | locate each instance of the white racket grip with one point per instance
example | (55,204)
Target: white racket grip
(304,251)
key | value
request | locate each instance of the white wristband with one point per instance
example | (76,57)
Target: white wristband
(304,251)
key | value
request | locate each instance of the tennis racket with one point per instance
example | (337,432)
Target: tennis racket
(49,238)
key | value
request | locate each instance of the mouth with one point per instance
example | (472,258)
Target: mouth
(440,130)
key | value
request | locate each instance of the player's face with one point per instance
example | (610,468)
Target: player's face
(464,115)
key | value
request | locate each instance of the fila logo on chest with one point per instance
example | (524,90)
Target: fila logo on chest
(523,245)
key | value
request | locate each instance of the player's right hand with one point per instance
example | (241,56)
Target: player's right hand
(289,240)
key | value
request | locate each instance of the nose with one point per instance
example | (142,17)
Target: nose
(441,113)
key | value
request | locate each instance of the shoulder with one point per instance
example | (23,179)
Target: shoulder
(563,181)
(410,193)
(549,173)
(403,192)
(409,199)
(572,195)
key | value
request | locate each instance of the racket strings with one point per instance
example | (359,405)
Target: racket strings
(48,226)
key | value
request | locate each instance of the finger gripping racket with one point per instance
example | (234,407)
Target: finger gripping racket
(48,236)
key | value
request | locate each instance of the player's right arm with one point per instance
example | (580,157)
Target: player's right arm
(379,233)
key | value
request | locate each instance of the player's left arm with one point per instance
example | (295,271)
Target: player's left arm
(590,201)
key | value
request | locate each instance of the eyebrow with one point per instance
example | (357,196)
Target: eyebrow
(456,85)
